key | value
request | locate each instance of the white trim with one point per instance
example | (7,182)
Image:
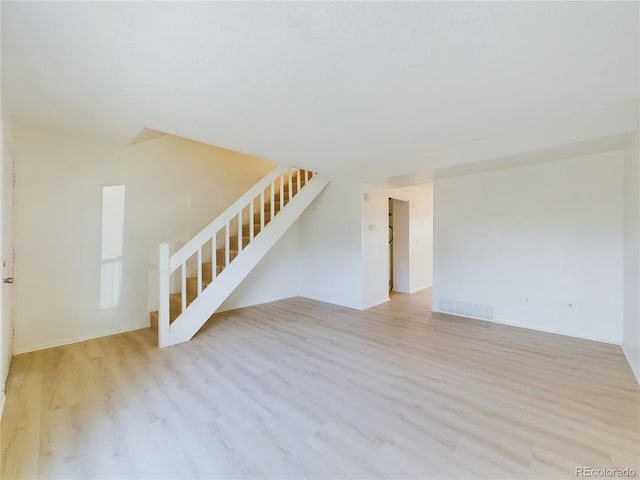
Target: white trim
(249,305)
(3,399)
(527,327)
(78,339)
(635,369)
(375,303)
(187,324)
(331,302)
(560,332)
(482,319)
(420,288)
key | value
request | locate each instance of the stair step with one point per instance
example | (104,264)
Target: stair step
(276,197)
(192,288)
(294,177)
(206,270)
(175,299)
(256,229)
(153,320)
(175,308)
(294,188)
(294,180)
(267,208)
(267,204)
(267,217)
(221,257)
(233,240)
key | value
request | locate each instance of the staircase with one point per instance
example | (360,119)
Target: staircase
(197,279)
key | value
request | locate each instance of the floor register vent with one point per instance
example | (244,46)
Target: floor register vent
(467,309)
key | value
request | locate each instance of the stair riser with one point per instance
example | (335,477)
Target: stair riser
(213,292)
(256,217)
(233,241)
(221,261)
(267,205)
(294,189)
(206,271)
(256,229)
(192,288)
(175,306)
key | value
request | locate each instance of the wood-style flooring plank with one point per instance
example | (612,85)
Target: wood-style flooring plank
(302,389)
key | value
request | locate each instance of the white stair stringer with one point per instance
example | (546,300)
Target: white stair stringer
(200,310)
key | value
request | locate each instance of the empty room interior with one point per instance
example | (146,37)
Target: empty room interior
(330,240)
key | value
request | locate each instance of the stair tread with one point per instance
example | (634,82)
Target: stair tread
(275,201)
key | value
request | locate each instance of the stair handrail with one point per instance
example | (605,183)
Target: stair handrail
(192,246)
(170,263)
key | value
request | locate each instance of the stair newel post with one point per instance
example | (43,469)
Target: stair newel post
(163,296)
(178,323)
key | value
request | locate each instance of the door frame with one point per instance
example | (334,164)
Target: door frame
(7,155)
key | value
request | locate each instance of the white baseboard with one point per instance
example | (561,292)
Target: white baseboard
(561,332)
(239,306)
(331,302)
(420,288)
(374,303)
(529,327)
(80,338)
(635,368)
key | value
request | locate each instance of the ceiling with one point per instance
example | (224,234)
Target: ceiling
(375,89)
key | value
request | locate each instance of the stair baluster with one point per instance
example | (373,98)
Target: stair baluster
(180,315)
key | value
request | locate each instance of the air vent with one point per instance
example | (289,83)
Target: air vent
(466,309)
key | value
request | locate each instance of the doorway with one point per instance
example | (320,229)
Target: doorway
(390,244)
(398,245)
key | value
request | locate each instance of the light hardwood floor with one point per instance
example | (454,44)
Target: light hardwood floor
(302,389)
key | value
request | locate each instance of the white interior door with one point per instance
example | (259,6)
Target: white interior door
(7,309)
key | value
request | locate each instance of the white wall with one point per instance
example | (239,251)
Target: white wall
(173,187)
(631,338)
(330,245)
(278,275)
(374,245)
(530,242)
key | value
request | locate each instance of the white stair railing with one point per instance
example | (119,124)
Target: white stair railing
(277,179)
